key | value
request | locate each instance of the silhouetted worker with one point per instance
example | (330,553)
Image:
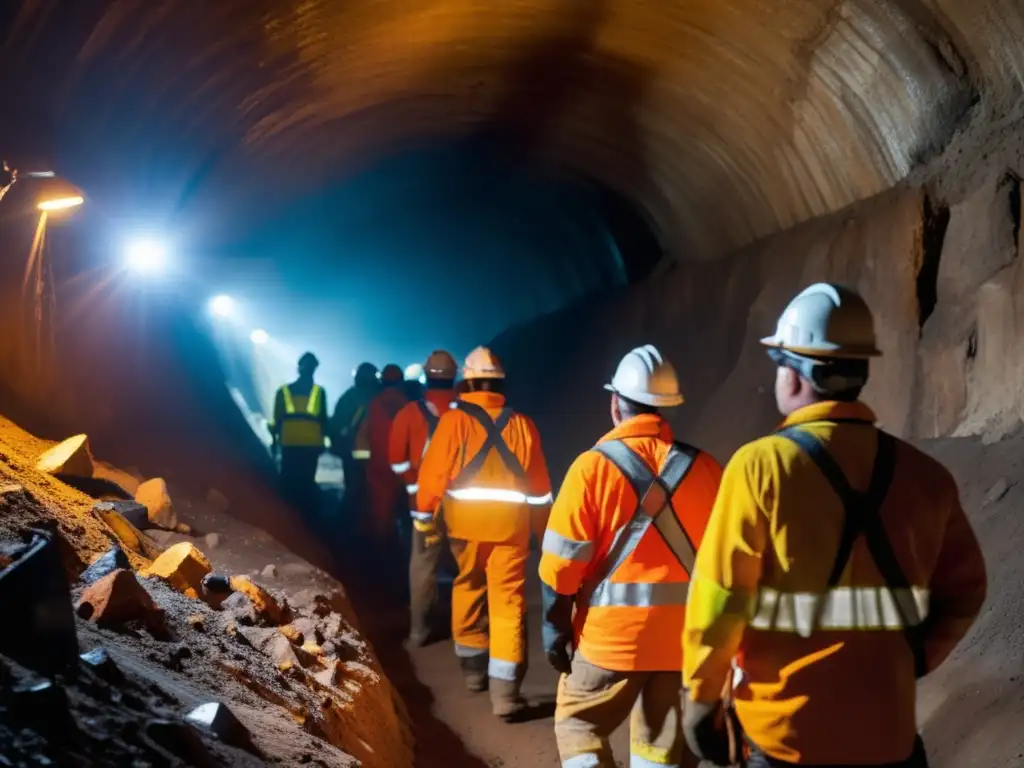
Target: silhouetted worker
(350,435)
(386,494)
(298,427)
(413,385)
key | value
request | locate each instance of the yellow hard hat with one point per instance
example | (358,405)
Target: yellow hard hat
(440,365)
(483,364)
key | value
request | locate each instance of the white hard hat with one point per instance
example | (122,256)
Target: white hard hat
(441,365)
(644,376)
(826,320)
(482,364)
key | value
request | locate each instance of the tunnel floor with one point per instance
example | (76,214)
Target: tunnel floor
(454,727)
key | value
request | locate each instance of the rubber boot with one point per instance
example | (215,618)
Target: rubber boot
(474,670)
(506,702)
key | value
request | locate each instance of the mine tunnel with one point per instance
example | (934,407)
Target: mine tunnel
(195,194)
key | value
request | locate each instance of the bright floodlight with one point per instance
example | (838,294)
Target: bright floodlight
(61,203)
(259,336)
(222,306)
(147,256)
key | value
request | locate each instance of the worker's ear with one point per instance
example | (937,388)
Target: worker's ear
(615,410)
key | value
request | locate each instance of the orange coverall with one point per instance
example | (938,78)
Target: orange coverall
(383,486)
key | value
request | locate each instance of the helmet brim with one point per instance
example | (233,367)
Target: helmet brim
(656,401)
(825,350)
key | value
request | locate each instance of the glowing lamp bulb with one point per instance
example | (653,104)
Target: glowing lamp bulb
(222,306)
(259,336)
(147,256)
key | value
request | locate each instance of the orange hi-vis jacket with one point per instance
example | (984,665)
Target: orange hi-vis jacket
(622,537)
(411,433)
(832,574)
(382,412)
(486,466)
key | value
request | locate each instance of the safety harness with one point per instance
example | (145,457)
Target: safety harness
(432,420)
(493,441)
(654,510)
(862,516)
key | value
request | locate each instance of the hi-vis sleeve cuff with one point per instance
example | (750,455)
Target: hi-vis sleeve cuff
(401,467)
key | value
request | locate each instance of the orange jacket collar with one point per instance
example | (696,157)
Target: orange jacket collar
(644,425)
(485,399)
(829,410)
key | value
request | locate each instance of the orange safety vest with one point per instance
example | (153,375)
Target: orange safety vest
(301,425)
(487,501)
(408,467)
(622,538)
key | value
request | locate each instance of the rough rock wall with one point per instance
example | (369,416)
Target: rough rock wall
(936,259)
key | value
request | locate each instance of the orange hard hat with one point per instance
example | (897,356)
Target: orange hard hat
(392,374)
(483,364)
(440,365)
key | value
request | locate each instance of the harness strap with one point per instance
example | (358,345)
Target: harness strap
(654,507)
(862,516)
(493,440)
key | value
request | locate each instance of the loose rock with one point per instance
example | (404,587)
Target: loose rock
(117,599)
(294,635)
(182,566)
(112,560)
(331,675)
(131,511)
(240,608)
(181,740)
(71,457)
(153,495)
(100,662)
(212,540)
(267,607)
(270,571)
(221,722)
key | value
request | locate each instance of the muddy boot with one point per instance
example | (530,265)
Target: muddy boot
(506,702)
(474,670)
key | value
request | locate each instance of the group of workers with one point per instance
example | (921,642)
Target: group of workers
(776,613)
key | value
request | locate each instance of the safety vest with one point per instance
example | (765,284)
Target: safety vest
(427,411)
(487,501)
(899,606)
(359,428)
(654,516)
(301,425)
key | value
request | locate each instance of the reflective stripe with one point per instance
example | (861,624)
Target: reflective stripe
(636,595)
(401,468)
(636,761)
(565,548)
(466,652)
(410,489)
(487,494)
(425,517)
(539,501)
(500,669)
(845,608)
(588,760)
(312,401)
(360,453)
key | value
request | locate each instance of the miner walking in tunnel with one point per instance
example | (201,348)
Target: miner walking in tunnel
(298,428)
(410,435)
(486,466)
(837,568)
(350,436)
(620,548)
(387,500)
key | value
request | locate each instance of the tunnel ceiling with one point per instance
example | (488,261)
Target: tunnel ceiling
(724,119)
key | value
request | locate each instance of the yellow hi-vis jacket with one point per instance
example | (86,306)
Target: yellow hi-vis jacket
(299,420)
(829,616)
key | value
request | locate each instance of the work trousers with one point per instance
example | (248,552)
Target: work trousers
(354,502)
(489,607)
(917,759)
(298,477)
(592,702)
(423,562)
(382,523)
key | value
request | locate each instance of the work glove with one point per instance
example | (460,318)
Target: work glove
(556,631)
(712,732)
(431,537)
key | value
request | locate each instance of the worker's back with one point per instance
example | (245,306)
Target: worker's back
(300,414)
(832,681)
(631,598)
(382,412)
(487,495)
(414,426)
